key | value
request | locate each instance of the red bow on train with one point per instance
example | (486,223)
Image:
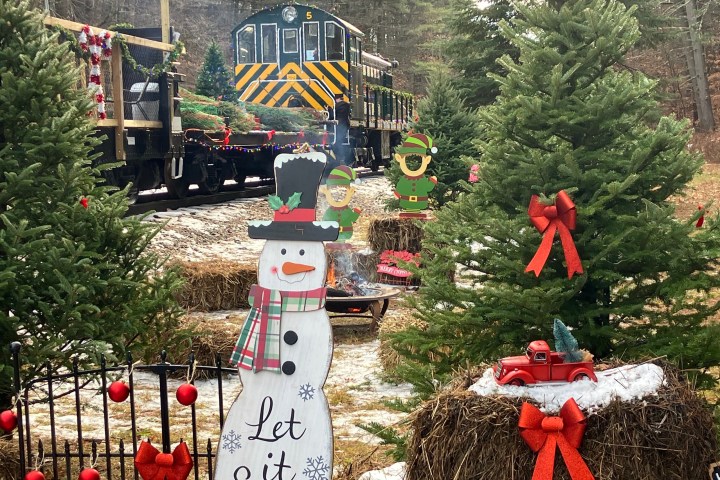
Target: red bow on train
(153,465)
(551,218)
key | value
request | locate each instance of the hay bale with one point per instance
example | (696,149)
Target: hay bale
(9,458)
(216,285)
(210,337)
(394,322)
(463,435)
(395,234)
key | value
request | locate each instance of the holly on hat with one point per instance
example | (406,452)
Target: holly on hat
(342,175)
(417,144)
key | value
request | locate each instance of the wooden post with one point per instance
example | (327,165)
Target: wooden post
(118,101)
(165,20)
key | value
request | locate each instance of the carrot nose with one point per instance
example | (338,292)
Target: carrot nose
(290,268)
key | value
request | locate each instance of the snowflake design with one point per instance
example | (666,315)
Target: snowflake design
(307,392)
(316,468)
(231,441)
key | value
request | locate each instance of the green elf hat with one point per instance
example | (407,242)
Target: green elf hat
(417,144)
(342,175)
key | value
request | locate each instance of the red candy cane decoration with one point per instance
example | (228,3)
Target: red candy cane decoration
(99,46)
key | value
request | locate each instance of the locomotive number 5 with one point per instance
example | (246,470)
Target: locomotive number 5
(308,15)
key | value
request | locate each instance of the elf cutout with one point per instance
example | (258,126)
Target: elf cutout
(339,211)
(413,187)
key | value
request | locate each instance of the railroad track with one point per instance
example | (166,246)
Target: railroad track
(161,202)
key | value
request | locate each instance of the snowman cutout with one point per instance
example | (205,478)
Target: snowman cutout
(279,427)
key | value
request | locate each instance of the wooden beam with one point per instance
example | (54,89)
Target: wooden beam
(165,20)
(113,122)
(118,101)
(76,27)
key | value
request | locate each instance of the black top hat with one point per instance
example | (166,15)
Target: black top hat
(297,177)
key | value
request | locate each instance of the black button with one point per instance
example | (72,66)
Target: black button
(288,368)
(290,337)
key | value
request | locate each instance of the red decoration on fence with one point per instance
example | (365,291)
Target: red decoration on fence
(700,220)
(543,433)
(153,465)
(186,394)
(551,218)
(118,391)
(8,421)
(34,475)
(89,474)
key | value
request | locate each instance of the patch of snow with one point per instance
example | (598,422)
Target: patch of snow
(393,472)
(625,383)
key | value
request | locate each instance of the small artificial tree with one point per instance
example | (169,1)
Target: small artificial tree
(214,79)
(75,277)
(454,129)
(568,119)
(566,343)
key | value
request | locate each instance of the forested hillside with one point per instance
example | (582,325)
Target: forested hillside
(420,33)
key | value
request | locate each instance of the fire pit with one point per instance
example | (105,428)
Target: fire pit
(350,296)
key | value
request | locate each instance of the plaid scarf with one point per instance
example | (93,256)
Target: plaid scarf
(258,347)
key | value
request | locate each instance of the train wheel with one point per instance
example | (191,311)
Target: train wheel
(213,182)
(133,194)
(177,187)
(517,382)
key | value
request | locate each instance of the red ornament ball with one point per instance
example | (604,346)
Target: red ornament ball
(118,391)
(8,421)
(34,475)
(89,474)
(186,394)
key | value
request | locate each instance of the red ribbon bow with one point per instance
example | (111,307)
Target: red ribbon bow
(153,465)
(700,220)
(551,218)
(543,433)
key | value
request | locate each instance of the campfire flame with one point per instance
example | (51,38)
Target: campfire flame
(331,275)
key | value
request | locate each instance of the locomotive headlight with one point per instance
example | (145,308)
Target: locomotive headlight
(289,14)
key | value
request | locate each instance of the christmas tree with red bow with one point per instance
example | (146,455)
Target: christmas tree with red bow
(571,217)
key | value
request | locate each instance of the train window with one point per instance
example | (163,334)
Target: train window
(246,45)
(354,51)
(311,41)
(269,43)
(334,41)
(290,40)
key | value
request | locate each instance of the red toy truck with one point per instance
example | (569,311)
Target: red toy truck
(539,364)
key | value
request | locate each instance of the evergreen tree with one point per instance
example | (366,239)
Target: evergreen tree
(75,279)
(474,46)
(453,128)
(214,79)
(566,119)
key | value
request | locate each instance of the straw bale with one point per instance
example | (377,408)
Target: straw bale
(395,234)
(394,322)
(210,336)
(462,435)
(216,285)
(9,458)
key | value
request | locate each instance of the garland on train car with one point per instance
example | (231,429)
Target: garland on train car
(378,88)
(75,46)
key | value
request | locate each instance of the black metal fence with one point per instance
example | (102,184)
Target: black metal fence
(112,455)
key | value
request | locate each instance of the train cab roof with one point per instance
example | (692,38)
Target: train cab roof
(297,13)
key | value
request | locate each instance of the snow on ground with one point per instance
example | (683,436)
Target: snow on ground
(219,232)
(393,472)
(625,383)
(355,371)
